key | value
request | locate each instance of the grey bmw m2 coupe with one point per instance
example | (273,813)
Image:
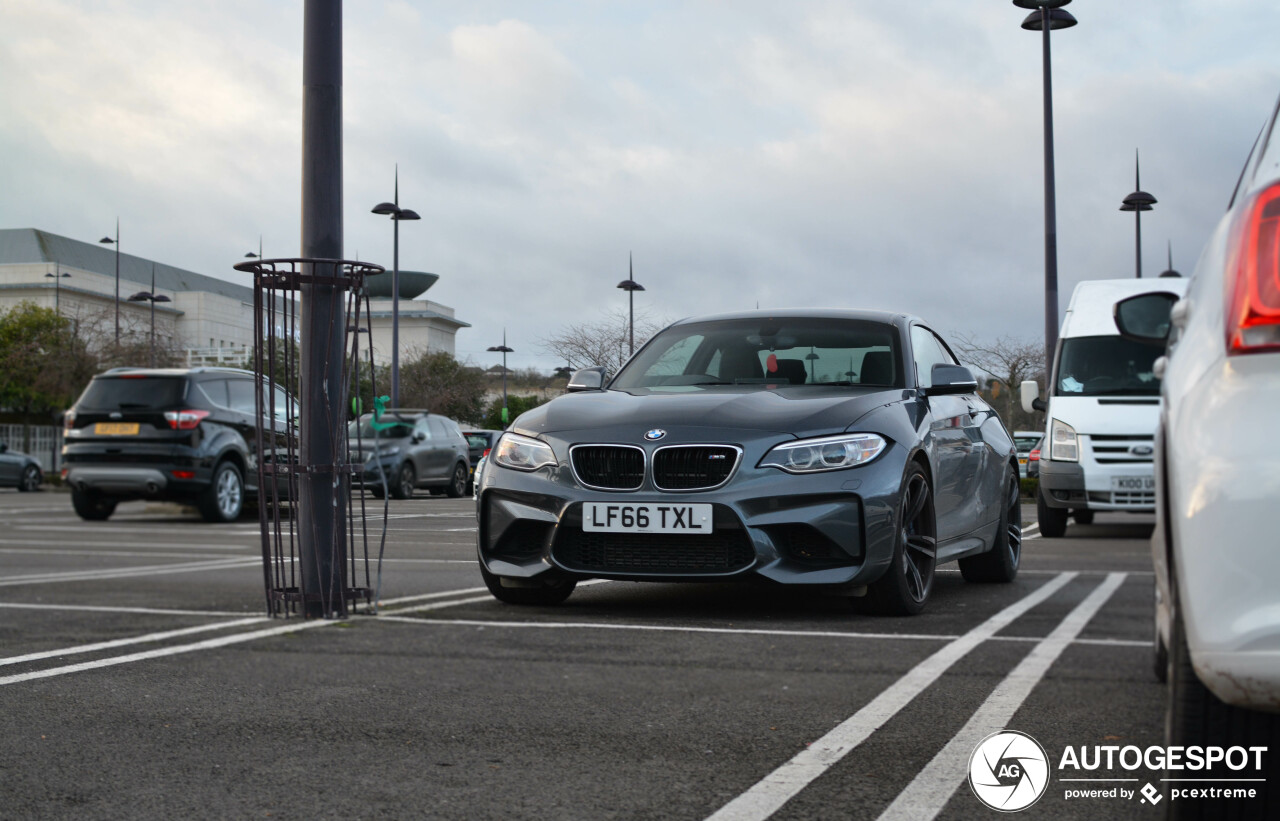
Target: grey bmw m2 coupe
(848,451)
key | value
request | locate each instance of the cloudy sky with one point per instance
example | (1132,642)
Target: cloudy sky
(860,153)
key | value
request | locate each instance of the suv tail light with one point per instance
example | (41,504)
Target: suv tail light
(185,419)
(1034,456)
(486,451)
(1253,276)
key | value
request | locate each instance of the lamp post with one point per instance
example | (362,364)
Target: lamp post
(1137,202)
(631,286)
(116,243)
(57,286)
(1169,272)
(252,255)
(1048,15)
(504,350)
(813,358)
(152,297)
(397,214)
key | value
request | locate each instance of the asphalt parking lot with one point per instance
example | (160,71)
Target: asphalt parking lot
(141,680)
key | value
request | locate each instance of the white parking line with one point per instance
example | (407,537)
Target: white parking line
(89,608)
(131,572)
(780,786)
(933,786)
(56,549)
(109,645)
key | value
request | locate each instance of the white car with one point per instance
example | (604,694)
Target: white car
(1215,547)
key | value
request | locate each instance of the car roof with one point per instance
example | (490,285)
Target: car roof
(126,371)
(886,317)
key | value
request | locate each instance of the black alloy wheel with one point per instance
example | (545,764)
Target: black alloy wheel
(30,480)
(905,586)
(404,482)
(1000,563)
(92,507)
(458,484)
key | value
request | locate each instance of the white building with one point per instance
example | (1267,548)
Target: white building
(211,318)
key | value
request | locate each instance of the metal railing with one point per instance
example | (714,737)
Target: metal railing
(219,357)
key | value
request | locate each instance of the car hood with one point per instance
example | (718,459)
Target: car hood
(705,413)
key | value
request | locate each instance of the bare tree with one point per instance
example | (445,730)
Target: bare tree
(605,341)
(1011,362)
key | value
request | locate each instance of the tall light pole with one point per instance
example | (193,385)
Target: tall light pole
(57,286)
(1169,272)
(631,286)
(504,350)
(252,255)
(1048,15)
(152,297)
(116,243)
(1137,202)
(397,214)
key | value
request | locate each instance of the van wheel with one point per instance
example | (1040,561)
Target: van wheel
(1053,520)
(223,500)
(91,507)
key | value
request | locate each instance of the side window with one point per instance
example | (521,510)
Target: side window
(438,429)
(216,392)
(423,428)
(285,408)
(241,395)
(928,351)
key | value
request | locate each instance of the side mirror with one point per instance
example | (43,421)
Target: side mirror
(948,379)
(587,379)
(1030,395)
(1145,318)
(418,436)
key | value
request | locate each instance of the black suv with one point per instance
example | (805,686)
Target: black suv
(182,435)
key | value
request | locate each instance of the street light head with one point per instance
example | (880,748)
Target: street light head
(630,285)
(1058,19)
(161,298)
(385,208)
(107,240)
(502,349)
(1138,201)
(141,296)
(251,255)
(1035,4)
(406,214)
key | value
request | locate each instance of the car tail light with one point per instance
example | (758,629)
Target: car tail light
(1253,276)
(183,474)
(185,419)
(486,451)
(1034,456)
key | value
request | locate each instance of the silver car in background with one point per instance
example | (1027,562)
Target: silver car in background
(1215,548)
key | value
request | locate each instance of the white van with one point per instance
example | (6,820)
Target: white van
(1101,411)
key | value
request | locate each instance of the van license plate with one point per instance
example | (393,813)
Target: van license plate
(1141,484)
(607,517)
(116,429)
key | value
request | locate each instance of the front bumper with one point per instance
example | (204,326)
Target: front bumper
(1089,485)
(833,528)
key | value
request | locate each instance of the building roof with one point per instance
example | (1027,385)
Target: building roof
(27,245)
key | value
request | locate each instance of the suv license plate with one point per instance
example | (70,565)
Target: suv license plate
(1143,484)
(116,429)
(607,517)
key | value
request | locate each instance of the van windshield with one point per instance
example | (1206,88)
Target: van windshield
(1107,366)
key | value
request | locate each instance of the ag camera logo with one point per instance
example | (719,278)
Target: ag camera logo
(1008,771)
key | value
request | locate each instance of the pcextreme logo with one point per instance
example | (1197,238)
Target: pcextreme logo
(1008,771)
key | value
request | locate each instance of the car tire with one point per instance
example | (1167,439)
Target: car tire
(549,593)
(91,507)
(458,484)
(904,588)
(223,500)
(1053,520)
(1082,517)
(30,481)
(1000,563)
(405,479)
(1196,717)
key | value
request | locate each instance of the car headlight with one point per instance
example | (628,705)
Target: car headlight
(522,453)
(825,453)
(1064,445)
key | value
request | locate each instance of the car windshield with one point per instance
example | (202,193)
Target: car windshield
(112,393)
(766,352)
(1107,366)
(364,428)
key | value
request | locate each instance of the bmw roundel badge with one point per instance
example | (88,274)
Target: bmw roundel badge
(655,434)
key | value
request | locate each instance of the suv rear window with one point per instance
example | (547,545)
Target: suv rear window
(133,393)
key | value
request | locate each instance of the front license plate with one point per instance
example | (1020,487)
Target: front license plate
(607,517)
(116,429)
(1133,483)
